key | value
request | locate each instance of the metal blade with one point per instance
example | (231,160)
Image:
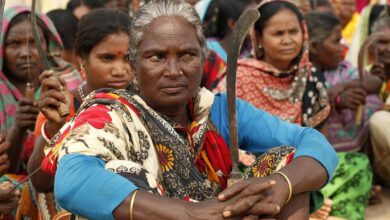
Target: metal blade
(41,51)
(2,4)
(241,30)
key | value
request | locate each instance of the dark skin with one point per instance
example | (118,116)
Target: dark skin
(8,198)
(381,54)
(107,65)
(168,66)
(22,63)
(327,56)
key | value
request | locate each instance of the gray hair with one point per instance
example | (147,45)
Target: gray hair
(382,22)
(163,8)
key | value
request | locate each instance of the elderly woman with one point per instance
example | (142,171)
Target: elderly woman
(353,176)
(125,153)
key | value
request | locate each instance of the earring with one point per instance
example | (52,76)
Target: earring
(181,72)
(259,51)
(82,72)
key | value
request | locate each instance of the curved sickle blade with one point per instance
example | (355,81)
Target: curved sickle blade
(241,30)
(2,4)
(41,51)
(361,57)
(363,50)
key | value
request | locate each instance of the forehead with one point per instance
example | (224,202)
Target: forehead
(167,32)
(284,18)
(115,41)
(21,29)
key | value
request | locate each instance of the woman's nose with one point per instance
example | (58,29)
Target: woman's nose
(121,70)
(173,69)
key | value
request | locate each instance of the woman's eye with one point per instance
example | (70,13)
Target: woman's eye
(107,57)
(294,31)
(12,43)
(188,56)
(156,58)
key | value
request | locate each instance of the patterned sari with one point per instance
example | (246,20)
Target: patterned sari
(297,95)
(151,150)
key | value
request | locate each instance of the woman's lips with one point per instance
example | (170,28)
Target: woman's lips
(117,85)
(173,89)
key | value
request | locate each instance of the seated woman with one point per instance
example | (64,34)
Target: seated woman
(21,65)
(346,93)
(125,152)
(379,129)
(102,48)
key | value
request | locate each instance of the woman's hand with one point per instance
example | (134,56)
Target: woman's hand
(4,146)
(352,96)
(378,69)
(26,115)
(256,196)
(51,97)
(9,200)
(372,84)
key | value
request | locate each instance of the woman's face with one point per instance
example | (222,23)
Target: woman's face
(107,65)
(281,39)
(383,46)
(329,52)
(169,63)
(20,53)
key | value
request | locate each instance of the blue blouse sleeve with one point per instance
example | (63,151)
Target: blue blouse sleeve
(259,131)
(83,184)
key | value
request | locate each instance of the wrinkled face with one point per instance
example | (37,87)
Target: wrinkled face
(169,63)
(107,65)
(383,46)
(329,52)
(21,56)
(281,39)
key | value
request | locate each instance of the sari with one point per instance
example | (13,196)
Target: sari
(297,95)
(344,135)
(154,152)
(10,95)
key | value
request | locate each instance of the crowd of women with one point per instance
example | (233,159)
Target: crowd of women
(131,121)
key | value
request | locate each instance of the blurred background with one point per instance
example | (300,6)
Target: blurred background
(42,5)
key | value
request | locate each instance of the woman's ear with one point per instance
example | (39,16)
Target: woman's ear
(231,23)
(313,49)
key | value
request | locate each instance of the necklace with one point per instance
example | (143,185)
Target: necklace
(80,90)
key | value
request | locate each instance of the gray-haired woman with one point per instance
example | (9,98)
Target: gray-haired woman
(146,155)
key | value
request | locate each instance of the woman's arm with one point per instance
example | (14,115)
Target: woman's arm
(259,131)
(42,181)
(83,186)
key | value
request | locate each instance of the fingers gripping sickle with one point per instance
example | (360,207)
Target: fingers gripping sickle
(242,27)
(361,57)
(63,108)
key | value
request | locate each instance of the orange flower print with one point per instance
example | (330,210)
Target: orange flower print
(263,167)
(166,157)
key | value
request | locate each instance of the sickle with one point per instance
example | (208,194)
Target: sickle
(361,57)
(41,51)
(2,4)
(241,30)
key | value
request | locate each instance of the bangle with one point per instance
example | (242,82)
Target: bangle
(289,185)
(132,204)
(44,134)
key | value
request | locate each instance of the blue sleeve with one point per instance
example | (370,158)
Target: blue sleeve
(84,187)
(259,131)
